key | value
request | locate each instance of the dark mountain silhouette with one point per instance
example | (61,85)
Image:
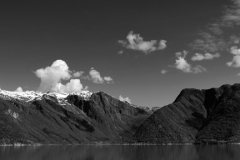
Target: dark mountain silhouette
(208,116)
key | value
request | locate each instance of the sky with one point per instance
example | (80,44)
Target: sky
(143,52)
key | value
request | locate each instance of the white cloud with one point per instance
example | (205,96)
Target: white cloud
(136,42)
(235,50)
(95,77)
(162,44)
(127,99)
(19,89)
(52,76)
(206,56)
(164,71)
(73,86)
(108,79)
(235,62)
(236,59)
(182,64)
(78,74)
(181,54)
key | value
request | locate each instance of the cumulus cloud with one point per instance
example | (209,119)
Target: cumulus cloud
(206,56)
(108,79)
(73,86)
(136,42)
(182,64)
(162,44)
(164,71)
(19,89)
(52,76)
(235,62)
(78,74)
(236,58)
(95,77)
(235,50)
(126,99)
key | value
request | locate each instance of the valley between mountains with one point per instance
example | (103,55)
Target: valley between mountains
(195,116)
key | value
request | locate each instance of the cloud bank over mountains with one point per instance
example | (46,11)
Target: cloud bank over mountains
(52,77)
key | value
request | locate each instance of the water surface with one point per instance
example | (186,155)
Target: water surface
(122,152)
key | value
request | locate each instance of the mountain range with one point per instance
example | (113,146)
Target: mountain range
(195,116)
(60,118)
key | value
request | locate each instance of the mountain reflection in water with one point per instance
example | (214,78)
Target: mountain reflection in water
(122,152)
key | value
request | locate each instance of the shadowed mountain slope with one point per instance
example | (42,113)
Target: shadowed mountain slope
(210,116)
(74,119)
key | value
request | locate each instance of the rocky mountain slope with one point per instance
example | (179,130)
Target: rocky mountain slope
(208,116)
(58,118)
(196,116)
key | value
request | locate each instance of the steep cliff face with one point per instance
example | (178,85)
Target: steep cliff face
(223,122)
(73,119)
(116,119)
(177,122)
(210,115)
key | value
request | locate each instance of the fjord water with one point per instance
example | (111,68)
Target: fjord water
(122,152)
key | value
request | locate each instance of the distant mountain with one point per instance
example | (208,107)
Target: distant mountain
(59,118)
(207,116)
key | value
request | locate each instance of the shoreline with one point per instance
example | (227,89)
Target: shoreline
(116,144)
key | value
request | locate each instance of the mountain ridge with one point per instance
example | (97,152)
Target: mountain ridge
(195,116)
(73,119)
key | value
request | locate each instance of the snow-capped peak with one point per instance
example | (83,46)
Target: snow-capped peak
(28,96)
(24,96)
(58,95)
(85,94)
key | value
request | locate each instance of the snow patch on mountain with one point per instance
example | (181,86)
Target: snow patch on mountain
(29,96)
(23,96)
(84,94)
